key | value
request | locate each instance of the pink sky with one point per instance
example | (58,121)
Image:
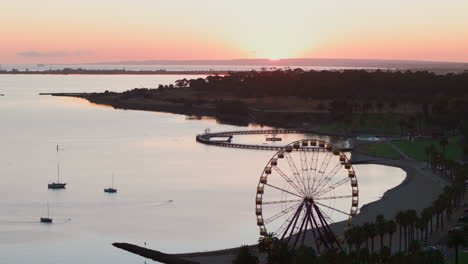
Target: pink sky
(66,31)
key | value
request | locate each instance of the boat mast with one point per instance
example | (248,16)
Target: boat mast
(58,164)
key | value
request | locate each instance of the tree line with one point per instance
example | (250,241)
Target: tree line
(419,86)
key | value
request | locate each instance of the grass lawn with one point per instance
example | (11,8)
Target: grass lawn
(372,123)
(416,148)
(382,150)
(462,257)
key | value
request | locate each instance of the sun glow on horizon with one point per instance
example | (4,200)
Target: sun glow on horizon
(197,30)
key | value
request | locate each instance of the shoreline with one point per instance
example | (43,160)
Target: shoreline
(316,120)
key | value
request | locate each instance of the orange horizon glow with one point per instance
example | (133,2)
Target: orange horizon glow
(57,31)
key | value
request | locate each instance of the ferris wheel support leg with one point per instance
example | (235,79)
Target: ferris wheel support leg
(301,229)
(329,233)
(324,241)
(293,219)
(307,222)
(312,228)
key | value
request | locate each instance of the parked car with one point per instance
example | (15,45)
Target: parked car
(431,248)
(463,218)
(456,229)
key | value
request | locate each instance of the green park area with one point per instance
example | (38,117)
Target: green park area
(417,149)
(367,123)
(384,150)
(462,258)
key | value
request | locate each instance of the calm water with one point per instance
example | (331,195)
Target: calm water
(155,159)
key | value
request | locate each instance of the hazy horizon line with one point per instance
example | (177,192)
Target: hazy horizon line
(332,62)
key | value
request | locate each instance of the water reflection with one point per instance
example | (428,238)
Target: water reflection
(155,158)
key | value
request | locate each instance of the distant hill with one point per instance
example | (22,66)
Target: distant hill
(404,64)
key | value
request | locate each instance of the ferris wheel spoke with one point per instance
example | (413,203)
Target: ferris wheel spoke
(328,178)
(313,168)
(333,197)
(325,215)
(296,173)
(321,171)
(283,190)
(287,179)
(310,165)
(282,213)
(280,202)
(304,168)
(283,226)
(337,184)
(334,209)
(325,163)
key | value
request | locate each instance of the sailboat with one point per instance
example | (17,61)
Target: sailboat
(58,184)
(111,189)
(47,219)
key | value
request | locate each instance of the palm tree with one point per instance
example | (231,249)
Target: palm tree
(359,236)
(455,240)
(305,255)
(245,256)
(391,228)
(443,143)
(372,232)
(411,217)
(435,210)
(429,152)
(281,253)
(402,123)
(419,225)
(426,217)
(265,244)
(366,229)
(400,219)
(348,234)
(381,226)
(411,124)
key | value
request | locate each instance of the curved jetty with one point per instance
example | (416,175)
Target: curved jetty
(153,254)
(206,138)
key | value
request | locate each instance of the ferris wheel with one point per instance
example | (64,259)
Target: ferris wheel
(302,190)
